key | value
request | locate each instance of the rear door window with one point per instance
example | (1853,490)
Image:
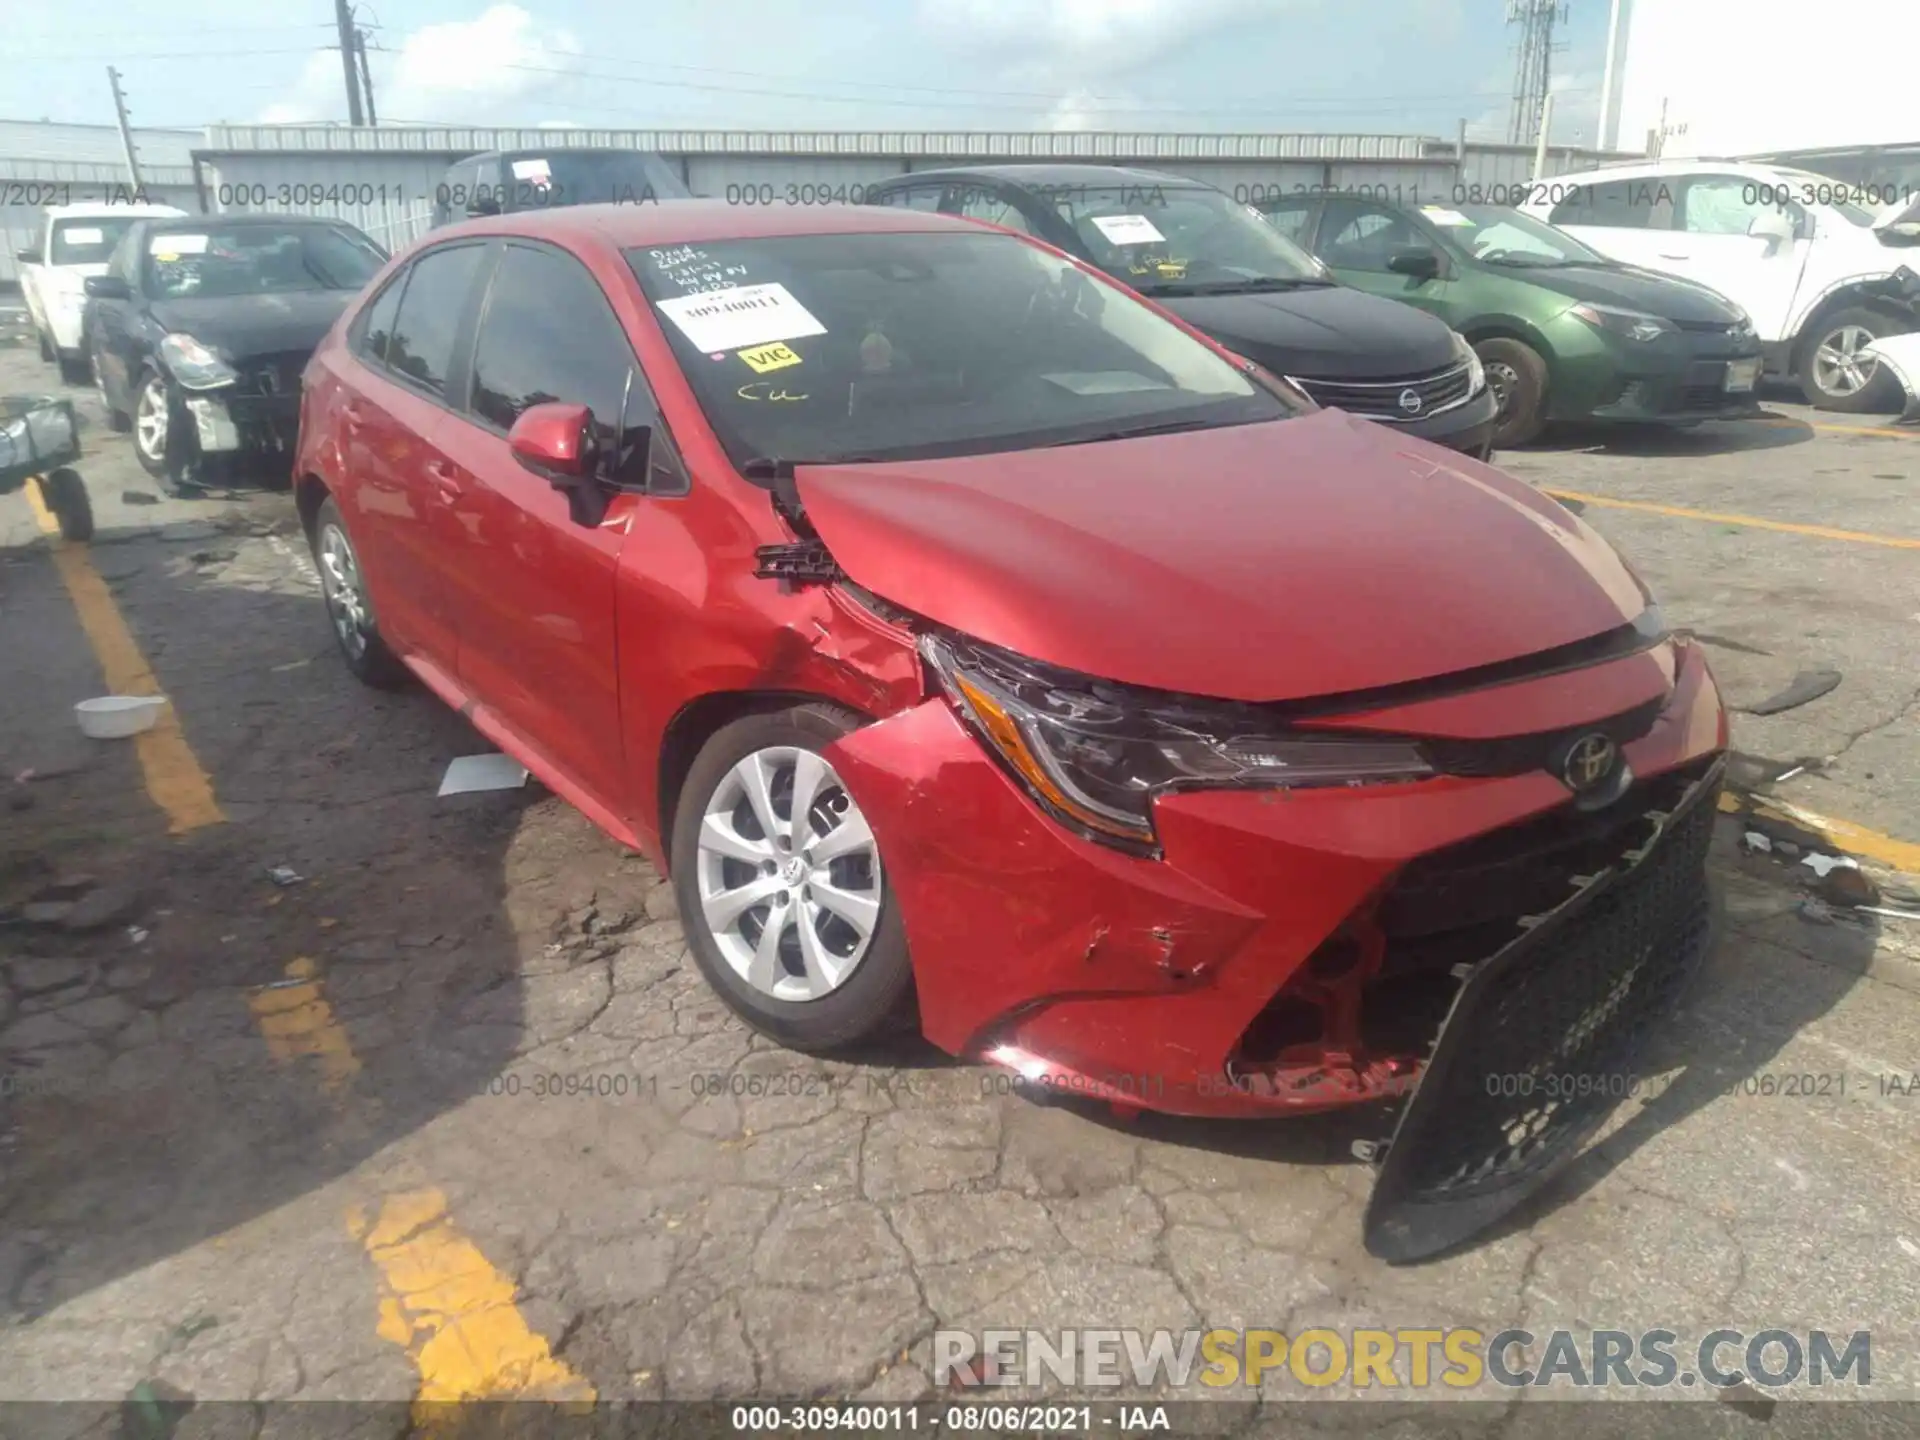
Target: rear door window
(1644,204)
(424,331)
(910,197)
(1358,236)
(374,327)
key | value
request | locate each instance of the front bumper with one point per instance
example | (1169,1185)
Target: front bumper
(1226,978)
(234,433)
(1677,378)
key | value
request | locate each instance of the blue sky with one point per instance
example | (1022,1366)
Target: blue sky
(1163,65)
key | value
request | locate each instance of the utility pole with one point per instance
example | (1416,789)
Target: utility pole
(343,21)
(1609,84)
(1533,68)
(1540,150)
(126,131)
(366,75)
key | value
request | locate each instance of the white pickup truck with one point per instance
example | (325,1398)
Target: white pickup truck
(75,242)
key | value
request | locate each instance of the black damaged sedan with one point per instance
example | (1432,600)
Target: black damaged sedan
(200,329)
(1221,268)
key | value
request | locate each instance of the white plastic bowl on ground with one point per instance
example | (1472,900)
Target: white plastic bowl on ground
(114,717)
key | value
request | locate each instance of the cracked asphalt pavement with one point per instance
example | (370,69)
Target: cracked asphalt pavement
(451,1114)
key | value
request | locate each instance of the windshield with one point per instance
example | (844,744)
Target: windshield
(1175,239)
(589,177)
(1501,235)
(87,242)
(213,260)
(821,348)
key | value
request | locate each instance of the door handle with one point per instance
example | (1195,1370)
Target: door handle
(446,481)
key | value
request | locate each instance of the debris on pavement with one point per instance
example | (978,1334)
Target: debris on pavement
(1824,865)
(136,935)
(284,875)
(1756,842)
(1890,911)
(1849,885)
(472,774)
(138,497)
(1815,910)
(1807,686)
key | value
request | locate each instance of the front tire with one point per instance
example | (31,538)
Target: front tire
(1518,378)
(65,494)
(160,438)
(343,585)
(1835,376)
(781,887)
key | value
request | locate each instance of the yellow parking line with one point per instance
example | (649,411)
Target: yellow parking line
(174,777)
(455,1313)
(297,1021)
(1749,522)
(1843,429)
(1843,835)
(441,1300)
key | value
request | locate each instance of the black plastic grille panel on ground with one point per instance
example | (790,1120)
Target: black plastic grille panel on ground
(1533,1054)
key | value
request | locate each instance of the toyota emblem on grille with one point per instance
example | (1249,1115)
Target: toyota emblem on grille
(1410,401)
(1588,762)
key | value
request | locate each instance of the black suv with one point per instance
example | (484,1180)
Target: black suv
(1221,268)
(501,182)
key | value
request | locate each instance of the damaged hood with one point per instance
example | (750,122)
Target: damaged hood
(248,326)
(1279,561)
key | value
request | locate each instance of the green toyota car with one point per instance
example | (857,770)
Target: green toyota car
(1564,332)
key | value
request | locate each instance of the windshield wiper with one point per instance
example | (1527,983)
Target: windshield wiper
(1249,286)
(1131,432)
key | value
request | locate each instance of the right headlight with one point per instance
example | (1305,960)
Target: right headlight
(1476,372)
(1095,754)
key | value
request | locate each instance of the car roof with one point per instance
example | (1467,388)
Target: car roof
(686,222)
(1667,169)
(248,220)
(97,211)
(1050,175)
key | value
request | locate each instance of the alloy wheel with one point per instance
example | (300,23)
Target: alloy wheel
(1838,366)
(346,599)
(1502,379)
(789,874)
(150,420)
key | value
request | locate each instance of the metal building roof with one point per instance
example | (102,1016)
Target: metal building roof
(1009,144)
(91,154)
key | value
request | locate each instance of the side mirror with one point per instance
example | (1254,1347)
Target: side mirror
(107,287)
(28,256)
(556,442)
(1421,264)
(1773,227)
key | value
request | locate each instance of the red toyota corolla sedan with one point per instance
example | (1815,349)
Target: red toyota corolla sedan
(977,646)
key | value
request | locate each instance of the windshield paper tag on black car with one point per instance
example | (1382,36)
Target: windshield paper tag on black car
(168,247)
(769,357)
(740,317)
(1129,230)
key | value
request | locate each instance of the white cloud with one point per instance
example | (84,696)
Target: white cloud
(457,70)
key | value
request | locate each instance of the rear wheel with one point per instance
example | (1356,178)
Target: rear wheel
(1518,378)
(117,419)
(1834,375)
(781,887)
(343,585)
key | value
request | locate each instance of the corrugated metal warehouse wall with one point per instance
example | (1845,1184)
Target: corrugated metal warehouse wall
(383,180)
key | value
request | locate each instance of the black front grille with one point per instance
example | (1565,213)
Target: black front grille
(1534,1053)
(1517,754)
(273,375)
(1711,327)
(1389,399)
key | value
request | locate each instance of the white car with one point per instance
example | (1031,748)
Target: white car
(1824,267)
(74,243)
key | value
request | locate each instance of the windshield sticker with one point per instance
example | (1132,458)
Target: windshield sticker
(1129,230)
(532,170)
(693,271)
(1440,215)
(169,247)
(767,390)
(82,235)
(740,316)
(763,358)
